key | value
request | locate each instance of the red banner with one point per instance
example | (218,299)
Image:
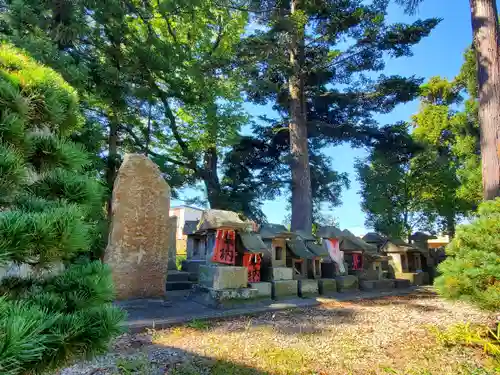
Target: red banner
(225,247)
(252,263)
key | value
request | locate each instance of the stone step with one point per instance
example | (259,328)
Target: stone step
(177,276)
(178,285)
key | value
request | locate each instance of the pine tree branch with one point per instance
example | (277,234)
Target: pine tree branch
(138,143)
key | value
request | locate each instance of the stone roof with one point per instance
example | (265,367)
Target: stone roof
(298,247)
(329,232)
(190,227)
(270,231)
(373,237)
(215,219)
(316,249)
(252,243)
(421,236)
(307,236)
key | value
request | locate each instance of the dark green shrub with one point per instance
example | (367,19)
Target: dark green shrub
(472,270)
(50,212)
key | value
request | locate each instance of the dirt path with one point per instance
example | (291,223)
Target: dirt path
(385,336)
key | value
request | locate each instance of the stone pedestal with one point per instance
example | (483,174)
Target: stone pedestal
(371,285)
(138,242)
(415,278)
(223,277)
(172,244)
(284,288)
(192,266)
(278,273)
(226,298)
(307,288)
(402,283)
(327,286)
(346,283)
(264,289)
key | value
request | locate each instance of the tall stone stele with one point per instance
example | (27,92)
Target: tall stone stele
(138,243)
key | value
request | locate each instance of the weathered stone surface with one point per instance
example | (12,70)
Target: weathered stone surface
(327,286)
(172,243)
(227,298)
(370,285)
(264,289)
(414,277)
(138,240)
(279,273)
(346,283)
(284,288)
(402,283)
(223,277)
(307,288)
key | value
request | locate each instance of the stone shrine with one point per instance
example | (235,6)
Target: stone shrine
(138,244)
(232,263)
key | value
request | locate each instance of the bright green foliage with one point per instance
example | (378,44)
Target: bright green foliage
(387,190)
(48,217)
(472,269)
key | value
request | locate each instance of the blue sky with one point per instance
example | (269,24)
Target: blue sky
(440,54)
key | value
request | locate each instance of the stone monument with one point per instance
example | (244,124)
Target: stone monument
(138,242)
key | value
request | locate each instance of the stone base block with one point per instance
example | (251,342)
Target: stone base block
(264,289)
(193,267)
(284,288)
(414,277)
(177,276)
(228,298)
(223,277)
(346,283)
(307,288)
(370,285)
(327,286)
(278,273)
(402,283)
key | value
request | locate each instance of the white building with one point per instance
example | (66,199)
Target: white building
(184,214)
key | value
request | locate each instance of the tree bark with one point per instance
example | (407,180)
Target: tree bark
(211,179)
(111,164)
(450,226)
(486,41)
(299,148)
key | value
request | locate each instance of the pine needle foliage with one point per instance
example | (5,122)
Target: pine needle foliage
(472,269)
(49,207)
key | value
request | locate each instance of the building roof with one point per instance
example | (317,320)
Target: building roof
(298,248)
(329,232)
(373,237)
(215,219)
(398,246)
(316,249)
(252,243)
(270,231)
(349,242)
(190,227)
(421,236)
(307,236)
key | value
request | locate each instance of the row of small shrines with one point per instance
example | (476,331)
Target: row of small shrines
(227,253)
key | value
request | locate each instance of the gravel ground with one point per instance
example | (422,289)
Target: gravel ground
(367,337)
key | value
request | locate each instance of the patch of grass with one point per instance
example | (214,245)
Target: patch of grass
(217,368)
(470,335)
(201,325)
(178,261)
(129,366)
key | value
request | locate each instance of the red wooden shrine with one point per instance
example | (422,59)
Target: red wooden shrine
(252,263)
(357,261)
(225,247)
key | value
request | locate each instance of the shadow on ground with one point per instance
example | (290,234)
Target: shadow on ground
(154,359)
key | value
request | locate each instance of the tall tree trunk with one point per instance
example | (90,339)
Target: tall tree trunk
(211,179)
(486,39)
(450,226)
(301,174)
(111,165)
